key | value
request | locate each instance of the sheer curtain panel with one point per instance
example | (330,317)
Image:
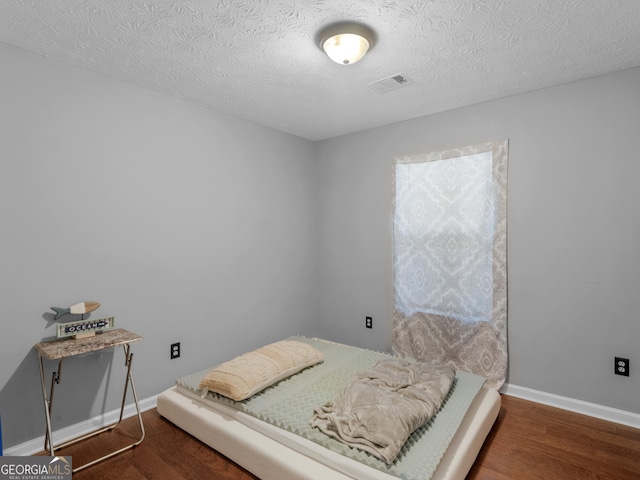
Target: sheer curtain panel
(450,258)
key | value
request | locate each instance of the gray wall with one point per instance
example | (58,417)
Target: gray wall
(192,226)
(573,231)
(187,225)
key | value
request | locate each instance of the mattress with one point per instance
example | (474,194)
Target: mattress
(270,451)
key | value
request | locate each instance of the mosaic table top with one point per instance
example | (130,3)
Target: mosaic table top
(68,347)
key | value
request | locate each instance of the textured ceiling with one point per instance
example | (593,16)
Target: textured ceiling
(257,59)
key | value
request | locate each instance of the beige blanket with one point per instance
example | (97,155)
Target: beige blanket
(380,408)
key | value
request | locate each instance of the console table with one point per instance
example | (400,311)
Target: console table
(61,349)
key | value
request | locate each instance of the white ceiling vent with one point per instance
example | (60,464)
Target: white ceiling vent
(390,83)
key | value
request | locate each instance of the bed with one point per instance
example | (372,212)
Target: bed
(273,446)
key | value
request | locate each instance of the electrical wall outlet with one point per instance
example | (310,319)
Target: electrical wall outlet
(175,350)
(368,322)
(622,366)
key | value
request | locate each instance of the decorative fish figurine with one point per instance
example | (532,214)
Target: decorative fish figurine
(77,309)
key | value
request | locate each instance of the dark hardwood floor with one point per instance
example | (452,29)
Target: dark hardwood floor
(528,441)
(534,441)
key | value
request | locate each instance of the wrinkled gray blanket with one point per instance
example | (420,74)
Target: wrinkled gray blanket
(379,409)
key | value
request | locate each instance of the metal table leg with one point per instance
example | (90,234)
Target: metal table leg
(48,444)
(48,406)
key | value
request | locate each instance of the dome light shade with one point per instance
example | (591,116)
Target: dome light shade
(346,43)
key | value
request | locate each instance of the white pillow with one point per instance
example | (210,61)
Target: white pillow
(254,371)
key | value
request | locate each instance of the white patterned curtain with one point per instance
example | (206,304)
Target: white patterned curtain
(450,268)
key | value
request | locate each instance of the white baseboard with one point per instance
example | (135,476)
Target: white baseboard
(73,431)
(578,406)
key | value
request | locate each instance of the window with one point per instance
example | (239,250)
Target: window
(444,231)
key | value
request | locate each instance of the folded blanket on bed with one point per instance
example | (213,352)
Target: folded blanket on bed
(379,409)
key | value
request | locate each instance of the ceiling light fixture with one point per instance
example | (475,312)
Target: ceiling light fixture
(346,42)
